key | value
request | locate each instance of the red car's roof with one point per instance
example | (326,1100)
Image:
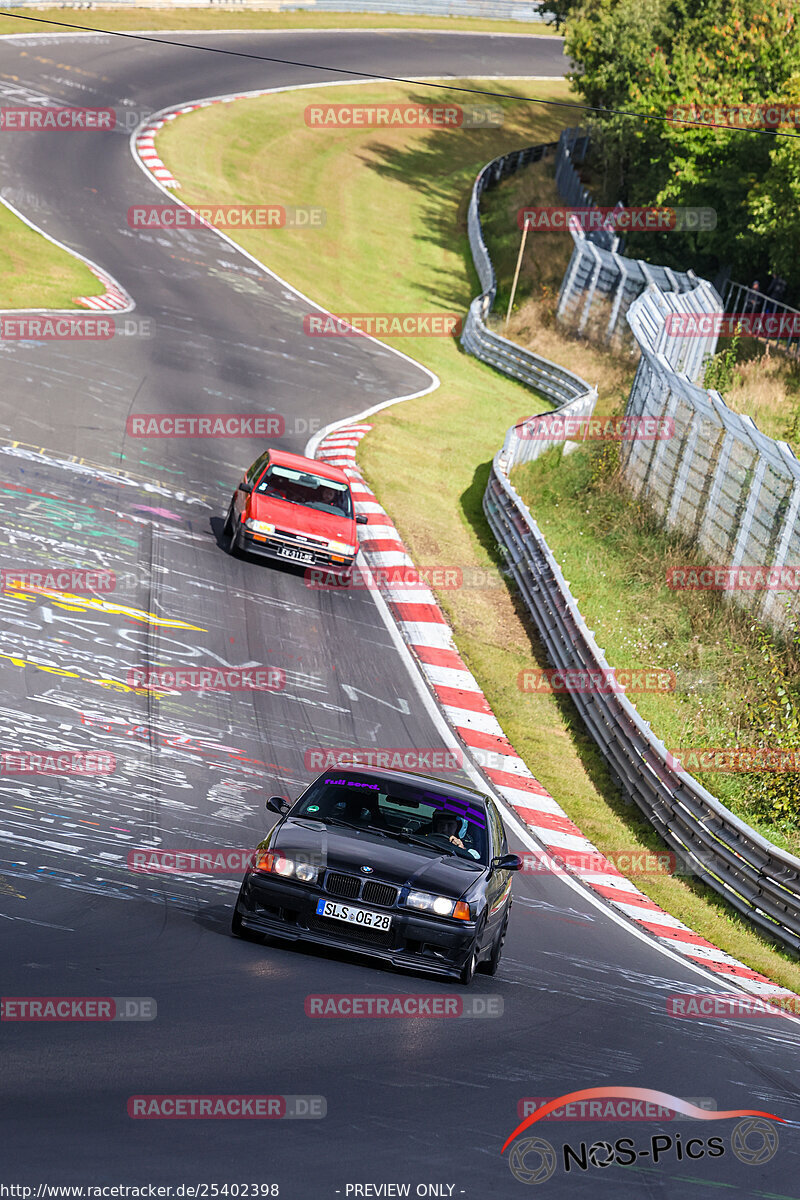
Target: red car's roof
(298,463)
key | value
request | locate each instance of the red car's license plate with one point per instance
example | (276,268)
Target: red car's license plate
(298,555)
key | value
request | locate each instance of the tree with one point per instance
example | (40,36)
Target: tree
(650,56)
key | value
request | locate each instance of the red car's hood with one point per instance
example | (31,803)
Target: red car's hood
(297,518)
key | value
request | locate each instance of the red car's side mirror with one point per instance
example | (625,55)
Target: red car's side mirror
(361,519)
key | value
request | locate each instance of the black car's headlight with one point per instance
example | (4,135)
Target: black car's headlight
(440,906)
(278,864)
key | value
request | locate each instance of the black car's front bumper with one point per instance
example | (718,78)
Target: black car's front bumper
(271,547)
(415,941)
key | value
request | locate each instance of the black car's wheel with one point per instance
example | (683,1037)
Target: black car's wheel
(239,930)
(490,965)
(468,970)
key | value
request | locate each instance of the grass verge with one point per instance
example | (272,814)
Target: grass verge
(36,274)
(52,20)
(400,199)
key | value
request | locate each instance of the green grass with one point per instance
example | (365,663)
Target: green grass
(398,199)
(36,274)
(213,19)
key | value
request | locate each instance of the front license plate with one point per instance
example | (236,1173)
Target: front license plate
(353,916)
(297,555)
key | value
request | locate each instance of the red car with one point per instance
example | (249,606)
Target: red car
(295,509)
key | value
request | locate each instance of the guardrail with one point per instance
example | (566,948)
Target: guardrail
(781,324)
(731,489)
(563,388)
(758,879)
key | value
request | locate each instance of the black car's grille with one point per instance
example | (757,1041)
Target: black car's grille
(379,893)
(349,887)
(353,933)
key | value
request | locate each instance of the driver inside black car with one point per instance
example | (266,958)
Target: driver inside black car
(443,824)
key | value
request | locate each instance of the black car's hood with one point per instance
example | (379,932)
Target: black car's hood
(336,848)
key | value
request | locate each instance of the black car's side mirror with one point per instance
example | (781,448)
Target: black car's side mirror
(245,487)
(507,862)
(361,519)
(278,804)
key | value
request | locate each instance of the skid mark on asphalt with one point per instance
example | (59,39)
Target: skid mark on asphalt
(75,831)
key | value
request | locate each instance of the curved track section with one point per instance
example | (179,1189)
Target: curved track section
(419,1102)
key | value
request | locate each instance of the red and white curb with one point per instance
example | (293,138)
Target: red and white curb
(144,140)
(425,629)
(146,149)
(114,298)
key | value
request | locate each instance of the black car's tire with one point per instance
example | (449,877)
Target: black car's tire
(468,970)
(238,929)
(490,965)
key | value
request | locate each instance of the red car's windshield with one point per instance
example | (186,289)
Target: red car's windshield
(300,487)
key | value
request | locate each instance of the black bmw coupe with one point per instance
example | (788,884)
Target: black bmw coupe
(399,866)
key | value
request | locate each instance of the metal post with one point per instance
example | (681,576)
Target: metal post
(525,228)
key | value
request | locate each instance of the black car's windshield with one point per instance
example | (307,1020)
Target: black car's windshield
(302,487)
(417,815)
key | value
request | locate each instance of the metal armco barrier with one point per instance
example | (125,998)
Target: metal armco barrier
(758,879)
(557,384)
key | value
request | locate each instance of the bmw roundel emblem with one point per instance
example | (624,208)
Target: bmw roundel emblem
(367,870)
